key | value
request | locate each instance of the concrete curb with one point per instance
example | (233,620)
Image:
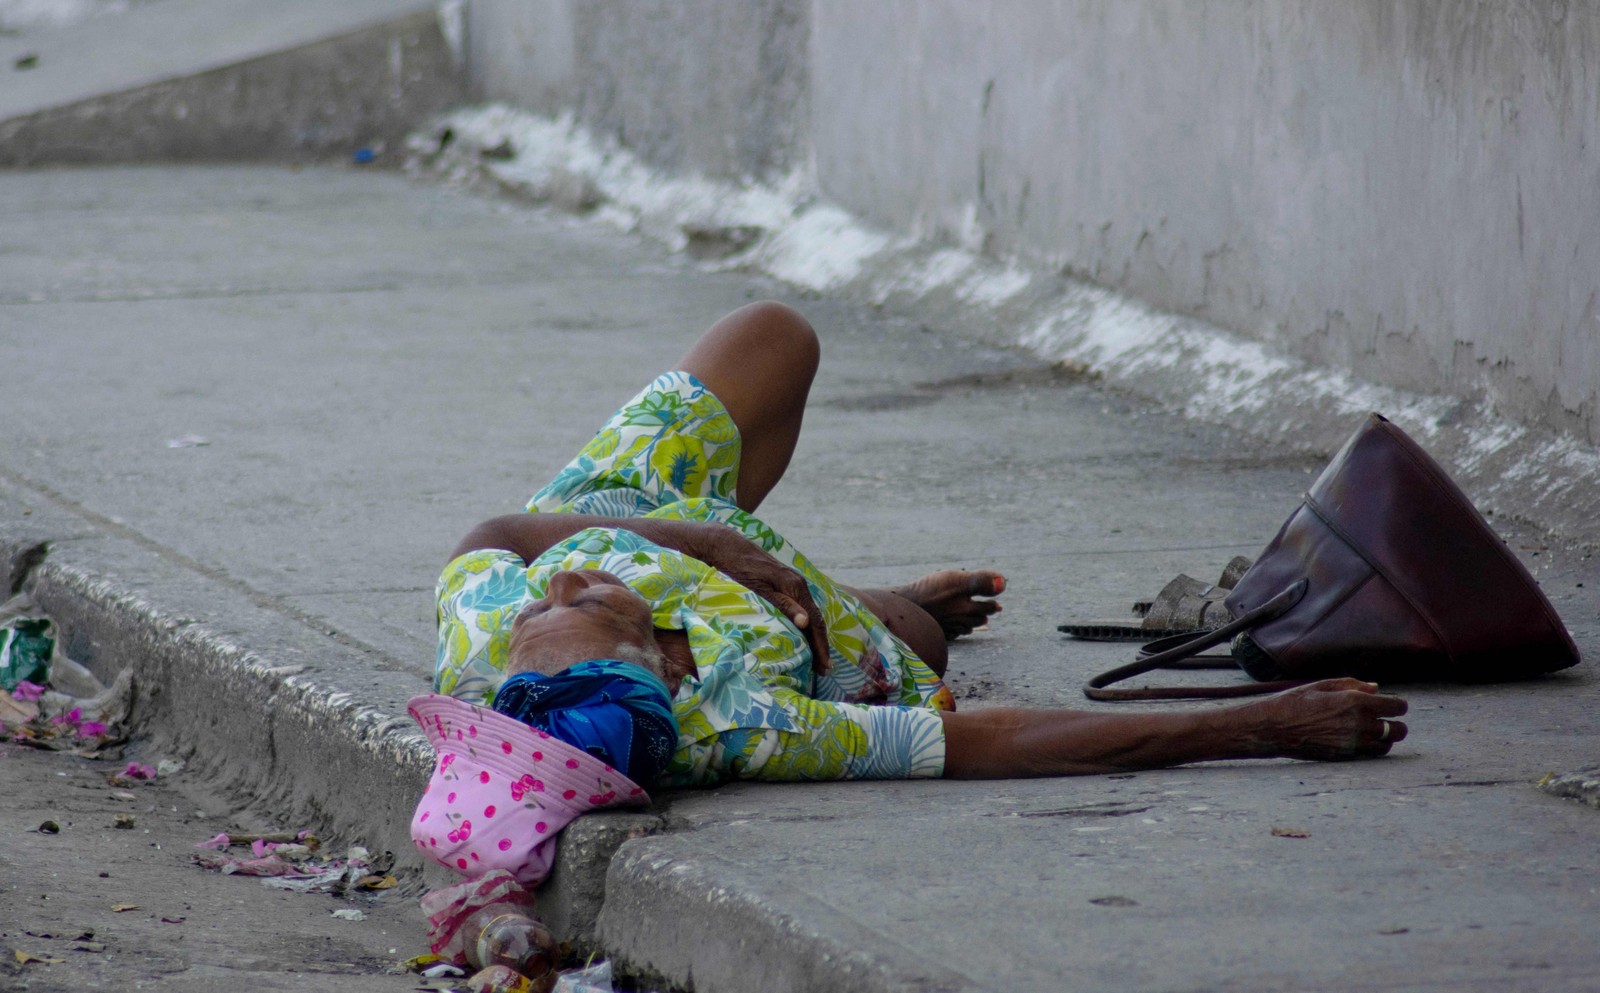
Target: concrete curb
(679,916)
(299,723)
(302,725)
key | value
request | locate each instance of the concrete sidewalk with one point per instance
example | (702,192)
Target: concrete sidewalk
(376,364)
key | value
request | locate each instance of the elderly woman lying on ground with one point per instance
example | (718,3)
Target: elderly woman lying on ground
(640,627)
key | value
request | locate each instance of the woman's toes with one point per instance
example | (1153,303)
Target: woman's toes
(986,583)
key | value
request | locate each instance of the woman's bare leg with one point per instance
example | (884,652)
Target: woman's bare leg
(759,361)
(936,609)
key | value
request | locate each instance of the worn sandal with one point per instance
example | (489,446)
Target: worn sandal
(1184,606)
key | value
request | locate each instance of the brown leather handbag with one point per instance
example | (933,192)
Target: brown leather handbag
(1385,572)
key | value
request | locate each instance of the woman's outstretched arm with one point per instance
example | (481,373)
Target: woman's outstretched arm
(1328,720)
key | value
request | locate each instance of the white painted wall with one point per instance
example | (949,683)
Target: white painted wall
(1406,189)
(712,86)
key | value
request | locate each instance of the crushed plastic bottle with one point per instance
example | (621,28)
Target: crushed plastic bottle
(516,941)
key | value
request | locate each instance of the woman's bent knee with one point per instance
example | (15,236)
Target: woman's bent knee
(775,328)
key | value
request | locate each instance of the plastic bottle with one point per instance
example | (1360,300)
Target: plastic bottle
(514,940)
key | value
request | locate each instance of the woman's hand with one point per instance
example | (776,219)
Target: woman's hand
(718,546)
(1331,719)
(743,561)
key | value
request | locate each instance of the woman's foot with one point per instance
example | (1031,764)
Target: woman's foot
(949,596)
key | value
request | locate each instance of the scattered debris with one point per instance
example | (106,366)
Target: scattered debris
(363,156)
(123,822)
(1291,832)
(28,61)
(1395,930)
(135,771)
(29,958)
(501,979)
(88,946)
(14,709)
(294,863)
(719,241)
(1114,901)
(47,700)
(349,914)
(305,838)
(173,920)
(502,151)
(188,441)
(595,978)
(439,969)
(26,644)
(123,908)
(49,827)
(169,767)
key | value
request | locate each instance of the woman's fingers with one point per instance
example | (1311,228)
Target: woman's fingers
(809,621)
(1387,706)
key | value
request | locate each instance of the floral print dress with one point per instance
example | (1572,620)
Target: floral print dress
(754,708)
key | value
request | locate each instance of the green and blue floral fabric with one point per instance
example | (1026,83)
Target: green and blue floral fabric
(754,708)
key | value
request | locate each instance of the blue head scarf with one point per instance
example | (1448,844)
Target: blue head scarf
(619,712)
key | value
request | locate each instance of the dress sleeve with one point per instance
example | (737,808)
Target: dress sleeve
(477,595)
(827,741)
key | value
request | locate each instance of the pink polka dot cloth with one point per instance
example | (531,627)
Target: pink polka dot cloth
(501,791)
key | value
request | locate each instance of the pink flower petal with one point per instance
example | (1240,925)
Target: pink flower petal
(219,843)
(27,692)
(260,848)
(138,770)
(92,729)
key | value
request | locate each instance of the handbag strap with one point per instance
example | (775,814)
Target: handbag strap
(1183,651)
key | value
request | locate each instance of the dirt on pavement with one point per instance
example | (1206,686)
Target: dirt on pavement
(189,929)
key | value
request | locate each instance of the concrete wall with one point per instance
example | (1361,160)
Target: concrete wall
(1407,189)
(711,86)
